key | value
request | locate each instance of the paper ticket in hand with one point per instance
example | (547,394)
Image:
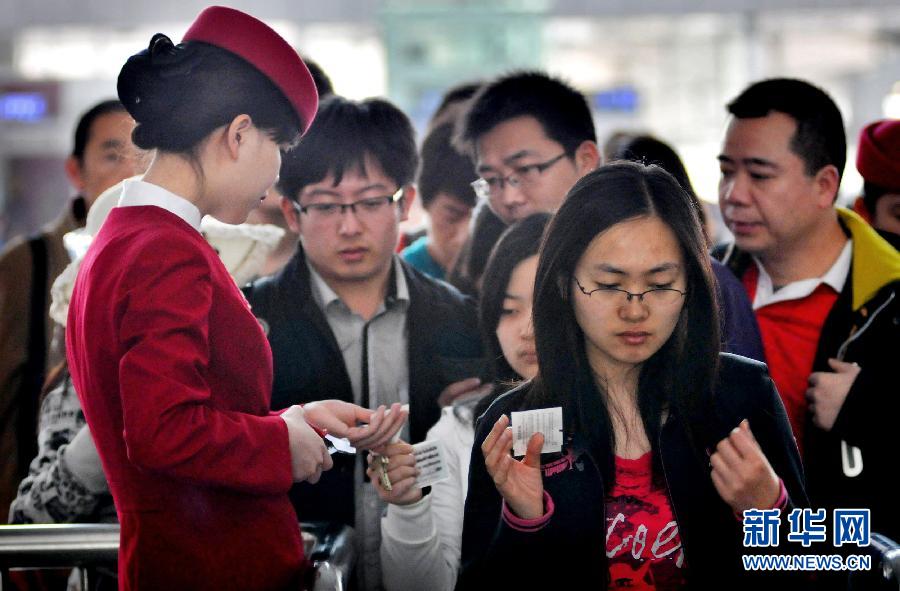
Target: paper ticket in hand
(543,420)
(431,462)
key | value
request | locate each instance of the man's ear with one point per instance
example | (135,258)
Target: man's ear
(827,182)
(73,172)
(587,157)
(409,195)
(291,215)
(237,132)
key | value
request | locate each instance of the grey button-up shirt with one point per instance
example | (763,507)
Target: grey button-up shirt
(379,345)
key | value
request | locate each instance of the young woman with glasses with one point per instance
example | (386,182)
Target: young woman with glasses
(666,441)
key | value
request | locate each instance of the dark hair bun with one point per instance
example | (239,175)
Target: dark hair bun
(160,45)
(179,94)
(150,86)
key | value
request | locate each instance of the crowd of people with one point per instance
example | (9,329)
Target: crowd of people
(695,381)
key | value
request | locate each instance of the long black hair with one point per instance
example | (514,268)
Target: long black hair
(519,242)
(647,149)
(679,378)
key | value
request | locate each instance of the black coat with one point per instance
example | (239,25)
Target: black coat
(444,346)
(869,417)
(570,550)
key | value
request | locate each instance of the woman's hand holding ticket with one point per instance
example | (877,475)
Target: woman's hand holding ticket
(518,481)
(341,418)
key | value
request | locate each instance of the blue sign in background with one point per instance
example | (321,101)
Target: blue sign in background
(23,106)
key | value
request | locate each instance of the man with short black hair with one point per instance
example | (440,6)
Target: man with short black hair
(531,137)
(348,319)
(825,288)
(444,179)
(102,155)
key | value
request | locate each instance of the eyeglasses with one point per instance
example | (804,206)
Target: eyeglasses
(370,207)
(522,176)
(614,296)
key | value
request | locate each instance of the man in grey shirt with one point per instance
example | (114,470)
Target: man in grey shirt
(346,317)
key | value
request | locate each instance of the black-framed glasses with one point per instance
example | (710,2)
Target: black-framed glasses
(363,208)
(615,296)
(521,176)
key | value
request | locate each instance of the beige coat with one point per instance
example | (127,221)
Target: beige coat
(15,305)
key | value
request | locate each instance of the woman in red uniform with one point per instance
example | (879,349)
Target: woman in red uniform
(173,371)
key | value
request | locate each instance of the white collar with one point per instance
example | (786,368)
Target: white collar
(835,277)
(137,192)
(324,295)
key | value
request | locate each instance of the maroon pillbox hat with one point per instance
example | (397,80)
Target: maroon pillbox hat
(878,156)
(262,47)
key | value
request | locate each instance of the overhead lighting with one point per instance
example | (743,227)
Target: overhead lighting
(88,53)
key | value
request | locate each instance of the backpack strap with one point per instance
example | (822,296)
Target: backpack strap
(33,377)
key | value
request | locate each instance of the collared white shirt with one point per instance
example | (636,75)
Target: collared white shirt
(137,192)
(836,277)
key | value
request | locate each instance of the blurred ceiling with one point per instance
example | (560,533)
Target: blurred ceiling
(117,13)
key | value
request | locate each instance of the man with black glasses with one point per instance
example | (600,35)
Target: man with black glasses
(348,319)
(531,137)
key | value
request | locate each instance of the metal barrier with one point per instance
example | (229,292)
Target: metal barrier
(95,546)
(885,573)
(332,554)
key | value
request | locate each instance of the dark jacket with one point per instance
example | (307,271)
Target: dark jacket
(444,346)
(863,327)
(24,361)
(571,548)
(740,332)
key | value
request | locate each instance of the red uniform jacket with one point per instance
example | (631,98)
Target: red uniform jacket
(175,376)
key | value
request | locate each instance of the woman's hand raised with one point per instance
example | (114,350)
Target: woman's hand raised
(518,481)
(741,473)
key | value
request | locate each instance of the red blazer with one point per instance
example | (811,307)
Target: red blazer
(175,375)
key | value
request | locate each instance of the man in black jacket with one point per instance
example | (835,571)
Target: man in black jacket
(346,318)
(825,289)
(102,155)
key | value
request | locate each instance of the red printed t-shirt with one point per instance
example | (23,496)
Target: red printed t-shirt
(642,541)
